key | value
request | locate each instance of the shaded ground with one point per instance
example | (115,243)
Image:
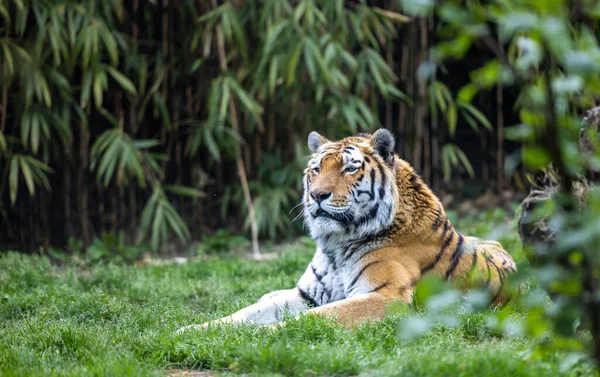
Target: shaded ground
(120,320)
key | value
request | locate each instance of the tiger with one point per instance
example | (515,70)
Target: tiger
(378,230)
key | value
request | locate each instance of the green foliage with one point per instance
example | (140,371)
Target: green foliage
(158,218)
(222,242)
(112,248)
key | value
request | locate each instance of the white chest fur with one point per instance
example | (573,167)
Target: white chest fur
(333,276)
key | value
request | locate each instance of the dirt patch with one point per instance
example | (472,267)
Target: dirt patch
(190,373)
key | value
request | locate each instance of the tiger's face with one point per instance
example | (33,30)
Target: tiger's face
(349,185)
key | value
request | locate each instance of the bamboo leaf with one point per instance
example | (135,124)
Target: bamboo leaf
(452,115)
(183,191)
(273,36)
(26,171)
(8,58)
(273,73)
(35,132)
(98,88)
(135,165)
(394,16)
(123,81)
(25,127)
(476,114)
(319,59)
(211,144)
(145,144)
(157,224)
(13,179)
(146,217)
(86,89)
(110,44)
(176,226)
(310,63)
(465,162)
(293,64)
(195,65)
(3,144)
(224,101)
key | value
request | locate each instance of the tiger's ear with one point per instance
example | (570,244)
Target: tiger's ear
(383,143)
(315,141)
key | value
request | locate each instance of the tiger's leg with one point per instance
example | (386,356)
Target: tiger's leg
(356,310)
(359,309)
(375,285)
(267,311)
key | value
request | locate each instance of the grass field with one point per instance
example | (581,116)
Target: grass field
(111,320)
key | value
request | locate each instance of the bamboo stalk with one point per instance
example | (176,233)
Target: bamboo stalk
(82,186)
(3,108)
(45,226)
(388,103)
(402,111)
(271,135)
(23,237)
(422,96)
(499,130)
(67,196)
(435,134)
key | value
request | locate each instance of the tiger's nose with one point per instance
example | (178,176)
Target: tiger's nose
(320,195)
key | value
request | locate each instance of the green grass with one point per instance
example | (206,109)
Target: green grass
(114,320)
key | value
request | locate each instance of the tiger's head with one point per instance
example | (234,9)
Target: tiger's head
(350,185)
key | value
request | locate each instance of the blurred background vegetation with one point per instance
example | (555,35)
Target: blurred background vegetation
(168,120)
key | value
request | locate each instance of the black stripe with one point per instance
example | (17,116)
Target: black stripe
(474,263)
(383,180)
(501,277)
(369,216)
(455,258)
(439,254)
(319,277)
(367,253)
(489,273)
(306,297)
(413,178)
(362,270)
(446,226)
(349,251)
(367,159)
(438,219)
(381,286)
(371,193)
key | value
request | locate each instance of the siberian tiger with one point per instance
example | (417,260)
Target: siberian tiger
(378,229)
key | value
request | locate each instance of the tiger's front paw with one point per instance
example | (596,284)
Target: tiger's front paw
(212,324)
(203,326)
